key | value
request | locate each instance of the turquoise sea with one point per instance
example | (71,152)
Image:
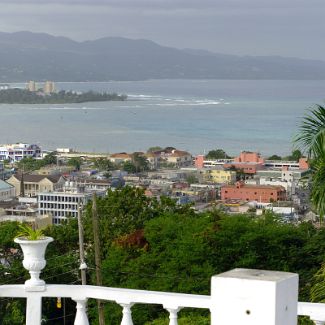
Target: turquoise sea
(194,115)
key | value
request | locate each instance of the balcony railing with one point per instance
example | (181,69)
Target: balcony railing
(240,296)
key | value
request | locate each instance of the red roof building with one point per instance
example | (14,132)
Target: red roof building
(259,193)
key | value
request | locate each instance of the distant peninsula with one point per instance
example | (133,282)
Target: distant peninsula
(24,96)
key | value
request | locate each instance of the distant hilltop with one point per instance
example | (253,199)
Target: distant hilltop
(34,56)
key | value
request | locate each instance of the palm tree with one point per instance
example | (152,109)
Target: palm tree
(311,140)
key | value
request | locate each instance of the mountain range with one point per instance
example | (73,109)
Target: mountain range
(38,56)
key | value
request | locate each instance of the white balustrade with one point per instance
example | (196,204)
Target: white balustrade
(270,289)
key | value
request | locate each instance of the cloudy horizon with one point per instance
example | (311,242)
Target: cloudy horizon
(291,28)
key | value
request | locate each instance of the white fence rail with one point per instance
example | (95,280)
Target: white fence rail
(126,298)
(240,296)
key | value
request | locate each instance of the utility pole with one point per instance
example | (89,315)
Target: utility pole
(98,263)
(83,265)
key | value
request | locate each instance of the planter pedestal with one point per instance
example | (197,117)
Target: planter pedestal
(34,261)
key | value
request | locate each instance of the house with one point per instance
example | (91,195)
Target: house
(16,152)
(219,175)
(177,158)
(118,158)
(7,191)
(33,184)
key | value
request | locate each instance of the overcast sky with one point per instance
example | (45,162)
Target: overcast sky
(253,27)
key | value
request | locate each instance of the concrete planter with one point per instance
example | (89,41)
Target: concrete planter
(34,261)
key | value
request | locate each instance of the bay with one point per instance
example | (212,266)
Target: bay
(193,115)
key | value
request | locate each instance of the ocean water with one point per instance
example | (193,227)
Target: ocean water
(193,115)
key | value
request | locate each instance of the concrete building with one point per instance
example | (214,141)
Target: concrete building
(4,86)
(249,168)
(302,164)
(219,176)
(33,184)
(49,87)
(64,203)
(177,158)
(31,86)
(18,151)
(249,157)
(153,160)
(122,157)
(201,162)
(259,193)
(7,191)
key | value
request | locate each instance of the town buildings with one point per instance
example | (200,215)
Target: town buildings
(17,151)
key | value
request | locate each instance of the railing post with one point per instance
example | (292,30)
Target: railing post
(172,315)
(34,309)
(81,315)
(254,297)
(127,314)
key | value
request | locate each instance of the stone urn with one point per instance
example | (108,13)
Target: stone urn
(34,261)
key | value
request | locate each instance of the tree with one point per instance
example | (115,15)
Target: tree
(274,157)
(217,154)
(75,162)
(191,179)
(311,139)
(295,155)
(153,149)
(129,167)
(103,164)
(140,162)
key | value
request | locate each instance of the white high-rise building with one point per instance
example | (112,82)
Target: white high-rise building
(64,203)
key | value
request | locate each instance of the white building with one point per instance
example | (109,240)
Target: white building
(64,203)
(18,151)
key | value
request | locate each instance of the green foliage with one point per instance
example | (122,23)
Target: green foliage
(159,245)
(27,232)
(104,164)
(153,149)
(23,96)
(274,157)
(76,162)
(311,134)
(185,320)
(140,162)
(31,164)
(129,166)
(311,139)
(192,179)
(217,154)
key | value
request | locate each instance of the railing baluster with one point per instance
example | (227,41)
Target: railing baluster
(319,322)
(127,314)
(173,315)
(81,315)
(34,310)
